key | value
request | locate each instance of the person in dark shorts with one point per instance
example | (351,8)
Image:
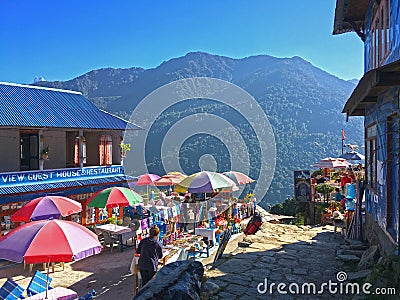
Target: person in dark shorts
(150,251)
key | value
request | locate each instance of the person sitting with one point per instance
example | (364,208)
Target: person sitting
(235,210)
(338,195)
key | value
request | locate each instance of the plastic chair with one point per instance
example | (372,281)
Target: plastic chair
(38,284)
(99,233)
(88,296)
(109,240)
(191,254)
(10,290)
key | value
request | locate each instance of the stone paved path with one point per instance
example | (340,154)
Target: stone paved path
(278,254)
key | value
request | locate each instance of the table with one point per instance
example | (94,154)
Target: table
(123,233)
(207,232)
(57,293)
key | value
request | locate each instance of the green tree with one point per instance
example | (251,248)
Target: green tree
(324,189)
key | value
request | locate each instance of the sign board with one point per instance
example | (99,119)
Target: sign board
(302,186)
(224,242)
(47,176)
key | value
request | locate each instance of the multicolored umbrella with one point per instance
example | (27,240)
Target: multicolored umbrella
(114,197)
(331,163)
(48,241)
(205,182)
(48,207)
(238,177)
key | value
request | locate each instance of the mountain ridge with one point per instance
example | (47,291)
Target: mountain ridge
(303,102)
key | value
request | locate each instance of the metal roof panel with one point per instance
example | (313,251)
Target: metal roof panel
(31,106)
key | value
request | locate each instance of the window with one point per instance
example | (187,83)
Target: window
(105,150)
(76,150)
(371,155)
(380,34)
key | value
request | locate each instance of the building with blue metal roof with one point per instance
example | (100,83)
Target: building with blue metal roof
(55,142)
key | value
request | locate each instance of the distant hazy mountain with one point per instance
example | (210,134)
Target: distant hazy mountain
(354,81)
(303,104)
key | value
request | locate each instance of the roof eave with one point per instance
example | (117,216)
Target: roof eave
(129,125)
(371,85)
(349,16)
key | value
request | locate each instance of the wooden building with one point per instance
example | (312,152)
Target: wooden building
(377,98)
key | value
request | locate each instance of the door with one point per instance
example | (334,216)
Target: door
(29,151)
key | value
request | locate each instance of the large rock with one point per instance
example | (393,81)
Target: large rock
(369,258)
(180,280)
(208,289)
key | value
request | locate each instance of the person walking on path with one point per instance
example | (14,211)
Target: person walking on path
(150,251)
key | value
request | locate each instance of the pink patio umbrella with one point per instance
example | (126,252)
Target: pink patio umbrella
(238,177)
(331,163)
(48,207)
(147,179)
(170,179)
(48,241)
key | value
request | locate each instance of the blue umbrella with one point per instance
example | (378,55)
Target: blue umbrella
(353,155)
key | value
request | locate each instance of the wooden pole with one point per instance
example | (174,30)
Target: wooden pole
(47,278)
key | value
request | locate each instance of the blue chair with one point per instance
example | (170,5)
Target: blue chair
(37,284)
(10,290)
(88,296)
(191,254)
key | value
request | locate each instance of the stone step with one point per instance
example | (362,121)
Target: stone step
(358,275)
(357,253)
(348,258)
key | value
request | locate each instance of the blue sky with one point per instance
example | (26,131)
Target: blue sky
(60,40)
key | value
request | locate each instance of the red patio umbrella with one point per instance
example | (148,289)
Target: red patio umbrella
(48,207)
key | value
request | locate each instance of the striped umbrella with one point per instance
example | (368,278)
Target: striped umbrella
(205,182)
(114,197)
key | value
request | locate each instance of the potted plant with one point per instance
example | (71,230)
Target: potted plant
(45,153)
(125,148)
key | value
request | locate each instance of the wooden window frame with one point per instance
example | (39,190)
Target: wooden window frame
(372,183)
(380,34)
(105,150)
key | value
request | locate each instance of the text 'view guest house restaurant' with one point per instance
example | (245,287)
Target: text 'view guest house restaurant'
(56,142)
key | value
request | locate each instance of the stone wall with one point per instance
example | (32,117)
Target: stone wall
(374,234)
